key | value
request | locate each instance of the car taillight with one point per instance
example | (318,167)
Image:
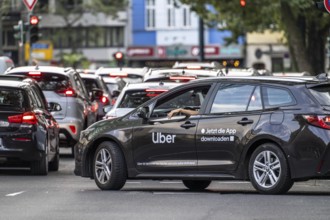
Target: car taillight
(25,118)
(67,92)
(104,100)
(322,121)
(73,129)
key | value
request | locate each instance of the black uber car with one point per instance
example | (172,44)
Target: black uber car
(271,131)
(28,132)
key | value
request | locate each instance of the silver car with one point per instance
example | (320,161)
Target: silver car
(136,94)
(64,86)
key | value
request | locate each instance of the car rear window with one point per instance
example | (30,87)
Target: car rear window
(133,99)
(49,81)
(13,99)
(90,84)
(322,94)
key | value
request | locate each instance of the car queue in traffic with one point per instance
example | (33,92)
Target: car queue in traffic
(243,124)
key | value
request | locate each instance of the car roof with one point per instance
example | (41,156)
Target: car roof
(147,85)
(49,69)
(168,72)
(194,65)
(240,71)
(268,79)
(128,70)
(14,81)
(89,76)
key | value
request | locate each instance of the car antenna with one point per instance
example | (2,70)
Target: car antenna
(161,83)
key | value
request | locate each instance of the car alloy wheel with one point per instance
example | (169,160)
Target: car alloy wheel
(269,171)
(103,166)
(109,167)
(266,169)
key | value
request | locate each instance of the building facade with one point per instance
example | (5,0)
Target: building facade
(164,32)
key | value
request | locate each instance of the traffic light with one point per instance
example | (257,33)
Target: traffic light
(242,3)
(34,28)
(19,32)
(119,57)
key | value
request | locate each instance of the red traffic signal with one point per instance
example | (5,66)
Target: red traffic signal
(242,3)
(118,55)
(34,20)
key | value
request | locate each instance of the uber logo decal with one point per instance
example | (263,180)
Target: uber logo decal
(159,138)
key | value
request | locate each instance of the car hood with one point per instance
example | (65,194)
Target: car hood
(109,127)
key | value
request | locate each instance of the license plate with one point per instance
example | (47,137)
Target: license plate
(4,123)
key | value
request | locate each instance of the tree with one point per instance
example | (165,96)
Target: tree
(306,28)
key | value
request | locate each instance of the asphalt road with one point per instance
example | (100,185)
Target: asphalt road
(61,195)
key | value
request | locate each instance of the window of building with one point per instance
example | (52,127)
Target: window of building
(86,37)
(170,13)
(150,14)
(186,17)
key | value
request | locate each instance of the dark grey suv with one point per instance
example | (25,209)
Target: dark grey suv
(64,86)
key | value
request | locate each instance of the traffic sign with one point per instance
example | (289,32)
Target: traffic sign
(30,4)
(327,5)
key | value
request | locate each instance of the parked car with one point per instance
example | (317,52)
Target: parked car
(65,86)
(136,94)
(98,92)
(272,131)
(178,75)
(5,63)
(28,131)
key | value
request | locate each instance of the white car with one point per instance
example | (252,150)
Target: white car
(136,94)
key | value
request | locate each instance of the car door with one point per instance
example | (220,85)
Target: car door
(232,114)
(165,145)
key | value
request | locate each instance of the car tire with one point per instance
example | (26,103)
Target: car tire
(40,167)
(196,185)
(109,167)
(269,171)
(55,164)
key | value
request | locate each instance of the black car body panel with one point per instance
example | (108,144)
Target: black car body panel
(238,116)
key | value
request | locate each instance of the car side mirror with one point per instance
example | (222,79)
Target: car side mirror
(143,113)
(54,107)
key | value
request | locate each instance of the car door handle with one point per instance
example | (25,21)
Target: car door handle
(188,125)
(245,121)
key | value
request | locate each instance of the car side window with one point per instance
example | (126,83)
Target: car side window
(255,100)
(81,86)
(232,98)
(192,98)
(39,100)
(275,97)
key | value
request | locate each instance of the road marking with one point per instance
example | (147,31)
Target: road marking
(133,182)
(15,194)
(175,193)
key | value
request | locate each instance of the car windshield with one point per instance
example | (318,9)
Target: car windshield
(12,99)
